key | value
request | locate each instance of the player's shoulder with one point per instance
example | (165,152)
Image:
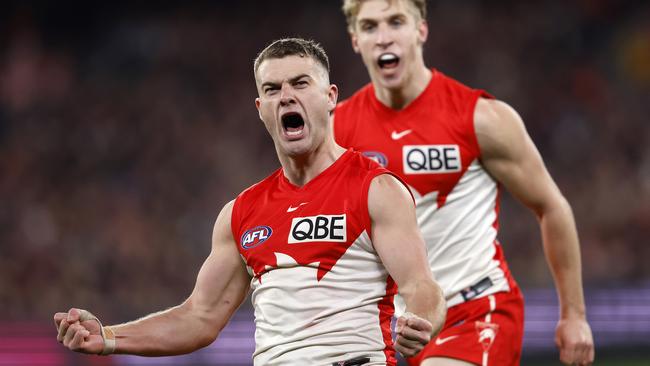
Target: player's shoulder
(444,79)
(453,87)
(248,201)
(260,187)
(493,117)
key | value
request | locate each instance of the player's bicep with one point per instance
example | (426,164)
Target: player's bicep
(223,282)
(510,156)
(395,233)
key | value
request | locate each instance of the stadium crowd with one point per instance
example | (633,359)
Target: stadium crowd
(124,129)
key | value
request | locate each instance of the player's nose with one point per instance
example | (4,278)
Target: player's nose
(384,36)
(286,95)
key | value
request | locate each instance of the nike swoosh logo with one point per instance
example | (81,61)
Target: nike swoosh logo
(291,209)
(398,135)
(440,341)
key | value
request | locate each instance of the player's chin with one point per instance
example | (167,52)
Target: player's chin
(392,86)
(297,147)
(391,80)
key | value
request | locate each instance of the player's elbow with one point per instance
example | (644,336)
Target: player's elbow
(204,335)
(554,205)
(207,339)
(203,323)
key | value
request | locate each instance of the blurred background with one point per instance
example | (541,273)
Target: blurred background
(126,126)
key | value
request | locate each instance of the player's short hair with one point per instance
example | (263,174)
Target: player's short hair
(351,9)
(293,47)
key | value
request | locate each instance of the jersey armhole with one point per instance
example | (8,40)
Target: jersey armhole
(365,189)
(471,110)
(235,221)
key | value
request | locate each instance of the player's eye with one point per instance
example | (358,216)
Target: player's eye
(301,84)
(270,90)
(367,26)
(396,22)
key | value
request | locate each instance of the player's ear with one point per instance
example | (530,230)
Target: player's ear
(355,41)
(423,31)
(257,105)
(332,96)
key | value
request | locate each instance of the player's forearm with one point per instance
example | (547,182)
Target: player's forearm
(175,331)
(562,251)
(425,299)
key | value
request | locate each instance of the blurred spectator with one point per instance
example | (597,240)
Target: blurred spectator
(124,129)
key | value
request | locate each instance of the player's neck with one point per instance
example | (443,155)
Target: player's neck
(412,86)
(301,169)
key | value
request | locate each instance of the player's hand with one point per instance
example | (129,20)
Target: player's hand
(80,336)
(573,338)
(413,333)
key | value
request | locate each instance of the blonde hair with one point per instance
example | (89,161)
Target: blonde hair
(351,9)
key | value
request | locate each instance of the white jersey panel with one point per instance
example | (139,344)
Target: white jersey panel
(460,236)
(302,321)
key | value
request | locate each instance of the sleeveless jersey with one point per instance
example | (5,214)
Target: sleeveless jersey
(432,146)
(320,291)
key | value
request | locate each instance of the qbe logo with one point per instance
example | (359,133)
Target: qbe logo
(428,159)
(255,236)
(318,228)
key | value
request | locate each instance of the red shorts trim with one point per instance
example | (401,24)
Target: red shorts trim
(487,331)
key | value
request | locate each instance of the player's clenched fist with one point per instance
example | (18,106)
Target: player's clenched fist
(576,343)
(413,333)
(81,331)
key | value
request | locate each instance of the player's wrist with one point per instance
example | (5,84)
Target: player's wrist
(107,333)
(109,341)
(573,312)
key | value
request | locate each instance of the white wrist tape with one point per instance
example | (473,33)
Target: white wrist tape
(106,332)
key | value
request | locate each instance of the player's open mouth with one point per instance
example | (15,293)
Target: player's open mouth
(293,124)
(388,61)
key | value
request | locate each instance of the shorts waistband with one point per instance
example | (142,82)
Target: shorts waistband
(470,292)
(352,362)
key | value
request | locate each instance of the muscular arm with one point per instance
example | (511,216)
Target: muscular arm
(397,239)
(509,155)
(220,288)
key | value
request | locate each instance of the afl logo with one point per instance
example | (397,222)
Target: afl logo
(255,236)
(376,156)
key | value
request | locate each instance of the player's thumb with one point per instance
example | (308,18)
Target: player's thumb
(402,322)
(73,315)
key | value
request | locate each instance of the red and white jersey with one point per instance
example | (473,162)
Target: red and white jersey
(432,146)
(320,291)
